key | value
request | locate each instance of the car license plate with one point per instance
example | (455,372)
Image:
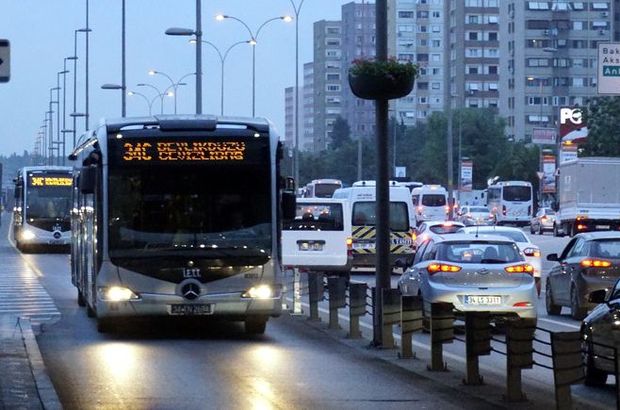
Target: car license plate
(602,226)
(364,245)
(191,310)
(483,300)
(310,245)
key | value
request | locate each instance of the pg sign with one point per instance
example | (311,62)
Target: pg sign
(5,72)
(573,128)
(608,70)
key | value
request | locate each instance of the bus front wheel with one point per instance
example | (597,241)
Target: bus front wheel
(255,325)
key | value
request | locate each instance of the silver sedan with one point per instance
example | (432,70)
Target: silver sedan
(474,274)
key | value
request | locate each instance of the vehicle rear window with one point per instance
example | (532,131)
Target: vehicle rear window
(316,217)
(325,190)
(479,209)
(364,214)
(513,235)
(609,248)
(439,229)
(517,193)
(433,200)
(479,252)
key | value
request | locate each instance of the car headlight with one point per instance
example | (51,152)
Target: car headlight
(259,292)
(27,235)
(116,294)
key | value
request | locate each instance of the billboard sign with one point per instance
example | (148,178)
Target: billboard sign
(608,68)
(467,175)
(548,180)
(569,153)
(543,136)
(573,128)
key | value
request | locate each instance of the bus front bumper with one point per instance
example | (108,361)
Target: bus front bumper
(231,305)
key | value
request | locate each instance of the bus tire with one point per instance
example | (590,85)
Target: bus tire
(80,299)
(90,312)
(104,325)
(255,325)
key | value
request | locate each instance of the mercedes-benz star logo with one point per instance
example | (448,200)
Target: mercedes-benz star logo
(190,291)
(190,264)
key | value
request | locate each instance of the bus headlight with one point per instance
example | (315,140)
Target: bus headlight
(27,235)
(259,292)
(116,294)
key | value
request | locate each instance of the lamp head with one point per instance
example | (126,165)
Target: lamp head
(287,19)
(252,42)
(152,72)
(220,17)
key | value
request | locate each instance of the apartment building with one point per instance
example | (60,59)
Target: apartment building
(548,54)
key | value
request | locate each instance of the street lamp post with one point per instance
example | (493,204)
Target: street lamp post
(297,10)
(160,94)
(253,42)
(75,33)
(175,31)
(222,57)
(86,68)
(173,84)
(51,128)
(148,102)
(108,86)
(64,107)
(58,130)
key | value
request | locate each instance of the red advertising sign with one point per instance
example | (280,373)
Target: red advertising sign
(572,126)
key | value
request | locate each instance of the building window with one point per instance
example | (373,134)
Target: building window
(472,19)
(492,69)
(537,5)
(332,76)
(435,86)
(493,36)
(472,35)
(333,53)
(332,30)
(405,14)
(332,87)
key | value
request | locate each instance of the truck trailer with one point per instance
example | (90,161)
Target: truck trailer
(589,196)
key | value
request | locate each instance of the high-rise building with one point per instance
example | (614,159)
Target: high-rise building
(306,142)
(548,53)
(358,41)
(289,115)
(473,39)
(416,33)
(327,80)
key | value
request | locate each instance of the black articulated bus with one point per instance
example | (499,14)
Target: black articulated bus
(179,216)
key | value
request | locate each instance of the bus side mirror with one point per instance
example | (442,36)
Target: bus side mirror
(289,205)
(87,177)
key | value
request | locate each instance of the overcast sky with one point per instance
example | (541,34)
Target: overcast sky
(41,33)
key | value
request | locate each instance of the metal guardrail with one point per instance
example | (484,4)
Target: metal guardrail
(524,346)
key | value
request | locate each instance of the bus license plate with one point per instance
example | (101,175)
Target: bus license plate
(191,310)
(483,300)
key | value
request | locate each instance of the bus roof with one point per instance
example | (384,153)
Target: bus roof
(186,121)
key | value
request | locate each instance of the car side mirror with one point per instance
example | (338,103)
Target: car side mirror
(598,296)
(553,257)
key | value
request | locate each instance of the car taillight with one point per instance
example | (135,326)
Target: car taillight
(522,268)
(523,304)
(447,209)
(581,227)
(503,209)
(420,209)
(544,218)
(595,263)
(532,252)
(529,210)
(414,236)
(349,243)
(442,267)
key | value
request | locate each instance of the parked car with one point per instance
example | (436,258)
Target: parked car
(475,215)
(589,262)
(600,329)
(430,229)
(542,221)
(529,249)
(474,274)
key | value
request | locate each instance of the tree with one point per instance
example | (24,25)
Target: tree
(341,133)
(602,115)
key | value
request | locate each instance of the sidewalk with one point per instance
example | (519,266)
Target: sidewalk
(24,383)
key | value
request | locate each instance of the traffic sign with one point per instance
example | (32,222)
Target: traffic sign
(5,66)
(540,174)
(608,70)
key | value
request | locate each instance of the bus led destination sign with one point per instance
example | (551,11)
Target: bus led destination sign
(184,151)
(36,181)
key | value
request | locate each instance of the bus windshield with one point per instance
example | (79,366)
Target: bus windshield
(517,193)
(221,212)
(48,197)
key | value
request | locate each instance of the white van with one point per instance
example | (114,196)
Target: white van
(430,202)
(361,200)
(319,238)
